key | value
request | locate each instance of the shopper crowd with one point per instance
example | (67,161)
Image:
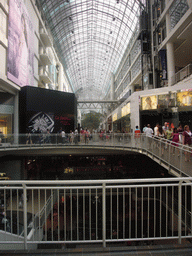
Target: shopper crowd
(167,134)
(176,136)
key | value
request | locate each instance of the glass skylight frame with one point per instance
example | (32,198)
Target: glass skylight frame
(91,36)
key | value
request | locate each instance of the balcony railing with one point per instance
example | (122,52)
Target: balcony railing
(182,74)
(169,155)
(95,211)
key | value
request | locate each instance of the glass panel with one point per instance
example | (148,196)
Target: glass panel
(92,36)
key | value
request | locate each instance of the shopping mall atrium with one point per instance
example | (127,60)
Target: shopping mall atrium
(130,61)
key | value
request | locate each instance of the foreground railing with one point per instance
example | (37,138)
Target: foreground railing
(95,211)
(170,155)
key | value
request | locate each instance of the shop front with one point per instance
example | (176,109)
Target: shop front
(121,119)
(6,114)
(174,108)
(125,118)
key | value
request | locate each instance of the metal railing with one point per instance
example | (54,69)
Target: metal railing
(171,155)
(182,74)
(95,211)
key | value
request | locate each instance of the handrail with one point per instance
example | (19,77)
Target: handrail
(181,74)
(134,210)
(161,150)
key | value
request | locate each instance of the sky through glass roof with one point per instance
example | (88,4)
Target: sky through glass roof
(91,37)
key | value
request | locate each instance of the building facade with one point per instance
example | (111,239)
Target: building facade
(153,82)
(28,57)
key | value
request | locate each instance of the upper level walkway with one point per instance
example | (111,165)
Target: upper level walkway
(174,157)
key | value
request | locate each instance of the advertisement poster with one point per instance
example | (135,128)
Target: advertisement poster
(166,100)
(184,99)
(125,110)
(20,59)
(42,109)
(149,102)
(40,122)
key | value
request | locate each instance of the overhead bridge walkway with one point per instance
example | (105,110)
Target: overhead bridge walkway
(170,156)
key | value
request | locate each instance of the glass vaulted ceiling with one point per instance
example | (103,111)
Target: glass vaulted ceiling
(91,37)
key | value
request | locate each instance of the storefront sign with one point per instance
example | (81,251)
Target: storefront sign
(184,99)
(149,102)
(166,100)
(114,117)
(125,110)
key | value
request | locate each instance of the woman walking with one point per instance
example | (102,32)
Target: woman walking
(175,140)
(187,142)
(161,136)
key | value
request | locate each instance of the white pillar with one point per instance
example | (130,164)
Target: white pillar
(170,52)
(112,86)
(60,77)
(16,117)
(170,62)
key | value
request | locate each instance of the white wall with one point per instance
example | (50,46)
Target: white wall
(3,68)
(3,36)
(6,236)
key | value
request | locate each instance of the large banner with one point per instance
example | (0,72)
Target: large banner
(20,61)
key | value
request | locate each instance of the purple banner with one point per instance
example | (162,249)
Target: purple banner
(20,63)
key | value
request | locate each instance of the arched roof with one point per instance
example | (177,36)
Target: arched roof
(91,37)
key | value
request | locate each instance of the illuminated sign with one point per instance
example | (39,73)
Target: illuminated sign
(114,117)
(125,110)
(166,100)
(149,102)
(184,98)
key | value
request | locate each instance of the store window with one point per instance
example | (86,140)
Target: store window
(6,113)
(6,124)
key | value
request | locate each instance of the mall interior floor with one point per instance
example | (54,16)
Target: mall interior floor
(172,248)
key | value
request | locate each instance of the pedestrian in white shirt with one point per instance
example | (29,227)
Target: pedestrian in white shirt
(149,134)
(156,134)
(149,131)
(156,129)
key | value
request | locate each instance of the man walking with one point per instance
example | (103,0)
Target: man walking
(149,135)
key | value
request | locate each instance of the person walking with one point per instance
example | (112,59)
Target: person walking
(187,142)
(180,131)
(63,136)
(156,129)
(149,134)
(175,140)
(168,135)
(76,136)
(137,133)
(155,134)
(161,136)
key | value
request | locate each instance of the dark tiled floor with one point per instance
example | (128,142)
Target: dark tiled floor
(156,250)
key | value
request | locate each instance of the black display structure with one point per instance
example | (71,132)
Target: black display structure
(41,109)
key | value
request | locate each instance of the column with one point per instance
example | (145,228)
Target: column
(16,118)
(112,86)
(170,51)
(170,62)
